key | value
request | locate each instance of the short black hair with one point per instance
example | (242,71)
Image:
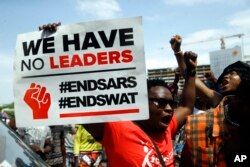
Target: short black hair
(156,82)
(243,70)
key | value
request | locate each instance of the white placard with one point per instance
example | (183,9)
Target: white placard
(83,73)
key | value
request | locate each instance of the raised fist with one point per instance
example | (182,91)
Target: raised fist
(175,42)
(190,59)
(38,100)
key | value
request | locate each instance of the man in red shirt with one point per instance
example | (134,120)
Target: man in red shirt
(128,143)
(148,143)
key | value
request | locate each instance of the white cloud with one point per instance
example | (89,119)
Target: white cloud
(238,24)
(202,36)
(160,61)
(206,41)
(241,19)
(102,9)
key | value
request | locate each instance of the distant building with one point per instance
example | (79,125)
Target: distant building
(168,75)
(222,58)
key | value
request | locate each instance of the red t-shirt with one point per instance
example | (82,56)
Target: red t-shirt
(127,145)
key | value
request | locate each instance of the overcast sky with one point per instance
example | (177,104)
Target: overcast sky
(203,22)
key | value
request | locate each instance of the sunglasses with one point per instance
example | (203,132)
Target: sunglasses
(162,103)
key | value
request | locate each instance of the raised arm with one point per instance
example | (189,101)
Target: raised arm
(188,93)
(175,42)
(208,95)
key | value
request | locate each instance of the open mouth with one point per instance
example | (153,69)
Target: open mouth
(224,82)
(166,119)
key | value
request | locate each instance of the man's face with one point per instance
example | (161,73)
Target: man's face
(230,82)
(160,107)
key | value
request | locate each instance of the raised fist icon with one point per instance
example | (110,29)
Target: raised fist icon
(38,100)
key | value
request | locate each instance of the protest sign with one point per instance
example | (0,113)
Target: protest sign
(82,73)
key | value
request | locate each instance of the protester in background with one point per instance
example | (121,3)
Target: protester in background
(56,156)
(180,138)
(87,151)
(11,122)
(38,138)
(7,114)
(200,106)
(222,131)
(173,87)
(3,116)
(200,103)
(69,145)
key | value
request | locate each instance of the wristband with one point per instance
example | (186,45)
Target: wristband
(190,73)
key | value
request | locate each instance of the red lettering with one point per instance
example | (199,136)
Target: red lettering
(102,58)
(52,63)
(114,57)
(89,59)
(127,56)
(76,61)
(64,61)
